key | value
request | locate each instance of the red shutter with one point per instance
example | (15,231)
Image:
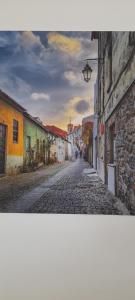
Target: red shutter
(101,128)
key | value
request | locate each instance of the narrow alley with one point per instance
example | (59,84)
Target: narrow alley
(69,188)
(76,113)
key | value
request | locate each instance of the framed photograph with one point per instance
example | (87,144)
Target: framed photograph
(67,122)
(67,150)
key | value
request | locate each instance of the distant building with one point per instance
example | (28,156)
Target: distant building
(87,137)
(89,118)
(60,145)
(75,139)
(70,128)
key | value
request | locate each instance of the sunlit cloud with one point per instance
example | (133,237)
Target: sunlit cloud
(28,39)
(74,78)
(42,71)
(73,112)
(40,96)
(63,43)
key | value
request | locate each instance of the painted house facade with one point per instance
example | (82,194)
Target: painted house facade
(35,143)
(71,147)
(87,137)
(59,148)
(11,135)
(25,142)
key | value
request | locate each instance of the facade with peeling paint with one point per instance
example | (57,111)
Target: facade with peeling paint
(35,143)
(116,113)
(60,146)
(11,135)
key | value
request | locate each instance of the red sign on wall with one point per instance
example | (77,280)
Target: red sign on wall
(101,128)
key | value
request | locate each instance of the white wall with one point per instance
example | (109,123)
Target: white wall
(60,149)
(73,146)
(111,178)
(100,169)
(69,151)
(14,164)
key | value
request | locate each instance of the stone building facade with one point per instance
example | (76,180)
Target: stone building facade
(116,112)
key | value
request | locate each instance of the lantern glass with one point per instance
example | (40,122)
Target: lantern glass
(87,72)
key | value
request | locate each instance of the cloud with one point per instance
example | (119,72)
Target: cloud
(71,76)
(28,39)
(38,66)
(15,87)
(70,111)
(40,96)
(74,78)
(82,106)
(63,43)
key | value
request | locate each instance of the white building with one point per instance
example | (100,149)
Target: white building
(74,139)
(59,148)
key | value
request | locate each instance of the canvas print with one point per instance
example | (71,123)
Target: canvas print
(67,122)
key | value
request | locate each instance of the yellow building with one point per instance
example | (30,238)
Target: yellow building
(11,135)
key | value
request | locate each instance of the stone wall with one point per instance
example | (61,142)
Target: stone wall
(123,71)
(124,119)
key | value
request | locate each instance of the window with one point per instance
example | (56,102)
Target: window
(37,145)
(112,144)
(28,143)
(99,97)
(43,145)
(15,131)
(132,38)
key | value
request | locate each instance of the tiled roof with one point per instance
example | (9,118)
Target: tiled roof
(57,131)
(76,127)
(35,120)
(88,123)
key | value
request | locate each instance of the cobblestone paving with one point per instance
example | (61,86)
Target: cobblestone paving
(12,188)
(75,191)
(70,188)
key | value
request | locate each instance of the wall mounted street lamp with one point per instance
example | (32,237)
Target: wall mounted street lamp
(88,70)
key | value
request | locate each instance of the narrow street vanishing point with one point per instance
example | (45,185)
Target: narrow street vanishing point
(67,122)
(67,188)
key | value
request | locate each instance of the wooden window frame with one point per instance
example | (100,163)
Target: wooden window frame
(28,138)
(38,145)
(15,131)
(112,141)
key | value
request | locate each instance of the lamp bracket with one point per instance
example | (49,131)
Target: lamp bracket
(96,59)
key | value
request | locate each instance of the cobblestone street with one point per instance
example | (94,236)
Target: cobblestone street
(71,188)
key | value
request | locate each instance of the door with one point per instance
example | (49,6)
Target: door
(2,148)
(96,154)
(28,149)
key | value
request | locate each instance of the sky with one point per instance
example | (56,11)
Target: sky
(42,71)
